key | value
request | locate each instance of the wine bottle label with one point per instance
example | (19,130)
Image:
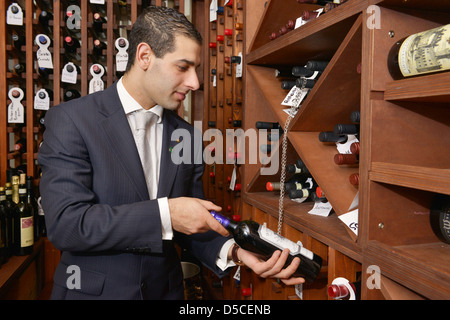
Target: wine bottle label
(41,103)
(69,73)
(14,15)
(26,232)
(96,83)
(425,52)
(283,243)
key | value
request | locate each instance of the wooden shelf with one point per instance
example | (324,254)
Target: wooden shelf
(430,179)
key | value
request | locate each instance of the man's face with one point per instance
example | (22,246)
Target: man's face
(170,78)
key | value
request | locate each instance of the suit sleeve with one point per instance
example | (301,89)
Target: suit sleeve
(75,221)
(204,246)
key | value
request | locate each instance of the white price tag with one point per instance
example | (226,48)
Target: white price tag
(351,220)
(122,55)
(16,112)
(233,179)
(322,209)
(69,73)
(96,83)
(294,97)
(239,67)
(43,55)
(213,10)
(344,148)
(14,15)
(97,1)
(41,100)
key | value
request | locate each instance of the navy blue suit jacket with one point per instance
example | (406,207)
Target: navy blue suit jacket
(97,208)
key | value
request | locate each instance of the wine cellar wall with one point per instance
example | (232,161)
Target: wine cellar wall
(379,235)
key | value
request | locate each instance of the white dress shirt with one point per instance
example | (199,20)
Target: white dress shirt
(131,107)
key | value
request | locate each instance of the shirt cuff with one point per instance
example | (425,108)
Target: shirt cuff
(222,260)
(166,222)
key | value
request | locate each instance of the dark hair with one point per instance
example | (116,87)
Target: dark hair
(158,26)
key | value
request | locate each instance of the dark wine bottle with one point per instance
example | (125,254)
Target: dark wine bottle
(262,241)
(420,53)
(71,44)
(71,94)
(298,167)
(23,222)
(350,128)
(3,228)
(10,209)
(329,136)
(440,216)
(98,23)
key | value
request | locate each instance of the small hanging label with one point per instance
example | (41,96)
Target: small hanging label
(69,73)
(239,67)
(233,179)
(43,55)
(345,147)
(42,100)
(122,55)
(15,109)
(351,220)
(14,15)
(237,275)
(295,97)
(97,1)
(299,290)
(213,10)
(96,83)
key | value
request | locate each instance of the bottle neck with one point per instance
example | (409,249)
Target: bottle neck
(227,223)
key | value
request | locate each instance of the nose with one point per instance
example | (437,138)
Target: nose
(192,80)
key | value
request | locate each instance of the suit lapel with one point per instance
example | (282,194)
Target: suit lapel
(121,140)
(168,169)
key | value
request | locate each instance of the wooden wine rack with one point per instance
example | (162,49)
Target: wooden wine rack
(405,146)
(25,277)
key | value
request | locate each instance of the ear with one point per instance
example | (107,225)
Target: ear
(144,55)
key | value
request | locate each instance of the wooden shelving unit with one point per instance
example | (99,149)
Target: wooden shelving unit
(404,134)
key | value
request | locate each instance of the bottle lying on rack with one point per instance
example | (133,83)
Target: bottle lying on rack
(420,53)
(262,241)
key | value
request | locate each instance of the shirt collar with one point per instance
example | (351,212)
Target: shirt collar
(130,105)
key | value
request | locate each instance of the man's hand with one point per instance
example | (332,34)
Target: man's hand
(191,215)
(272,268)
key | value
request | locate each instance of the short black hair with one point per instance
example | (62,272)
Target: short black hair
(158,26)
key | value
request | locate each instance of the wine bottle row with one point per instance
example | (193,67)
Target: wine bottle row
(21,221)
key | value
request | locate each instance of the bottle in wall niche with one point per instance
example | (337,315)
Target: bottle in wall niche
(342,289)
(98,22)
(258,239)
(315,65)
(346,158)
(302,71)
(298,167)
(19,69)
(354,179)
(343,128)
(440,216)
(3,228)
(71,94)
(23,224)
(31,200)
(10,207)
(18,41)
(330,136)
(292,183)
(71,44)
(420,53)
(98,48)
(44,19)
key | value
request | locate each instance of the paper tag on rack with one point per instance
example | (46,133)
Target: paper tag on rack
(122,55)
(351,220)
(69,76)
(97,1)
(344,148)
(322,209)
(16,112)
(213,7)
(41,103)
(239,67)
(233,179)
(237,275)
(294,97)
(214,81)
(299,290)
(290,112)
(43,55)
(96,83)
(15,19)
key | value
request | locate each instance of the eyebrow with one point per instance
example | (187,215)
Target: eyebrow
(189,62)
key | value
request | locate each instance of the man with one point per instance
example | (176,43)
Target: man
(115,210)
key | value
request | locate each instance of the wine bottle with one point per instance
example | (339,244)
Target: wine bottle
(31,200)
(23,222)
(3,228)
(299,71)
(45,17)
(98,47)
(354,179)
(440,216)
(98,23)
(262,241)
(71,94)
(330,136)
(10,208)
(350,128)
(71,44)
(342,291)
(420,53)
(298,167)
(346,158)
(18,41)
(315,65)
